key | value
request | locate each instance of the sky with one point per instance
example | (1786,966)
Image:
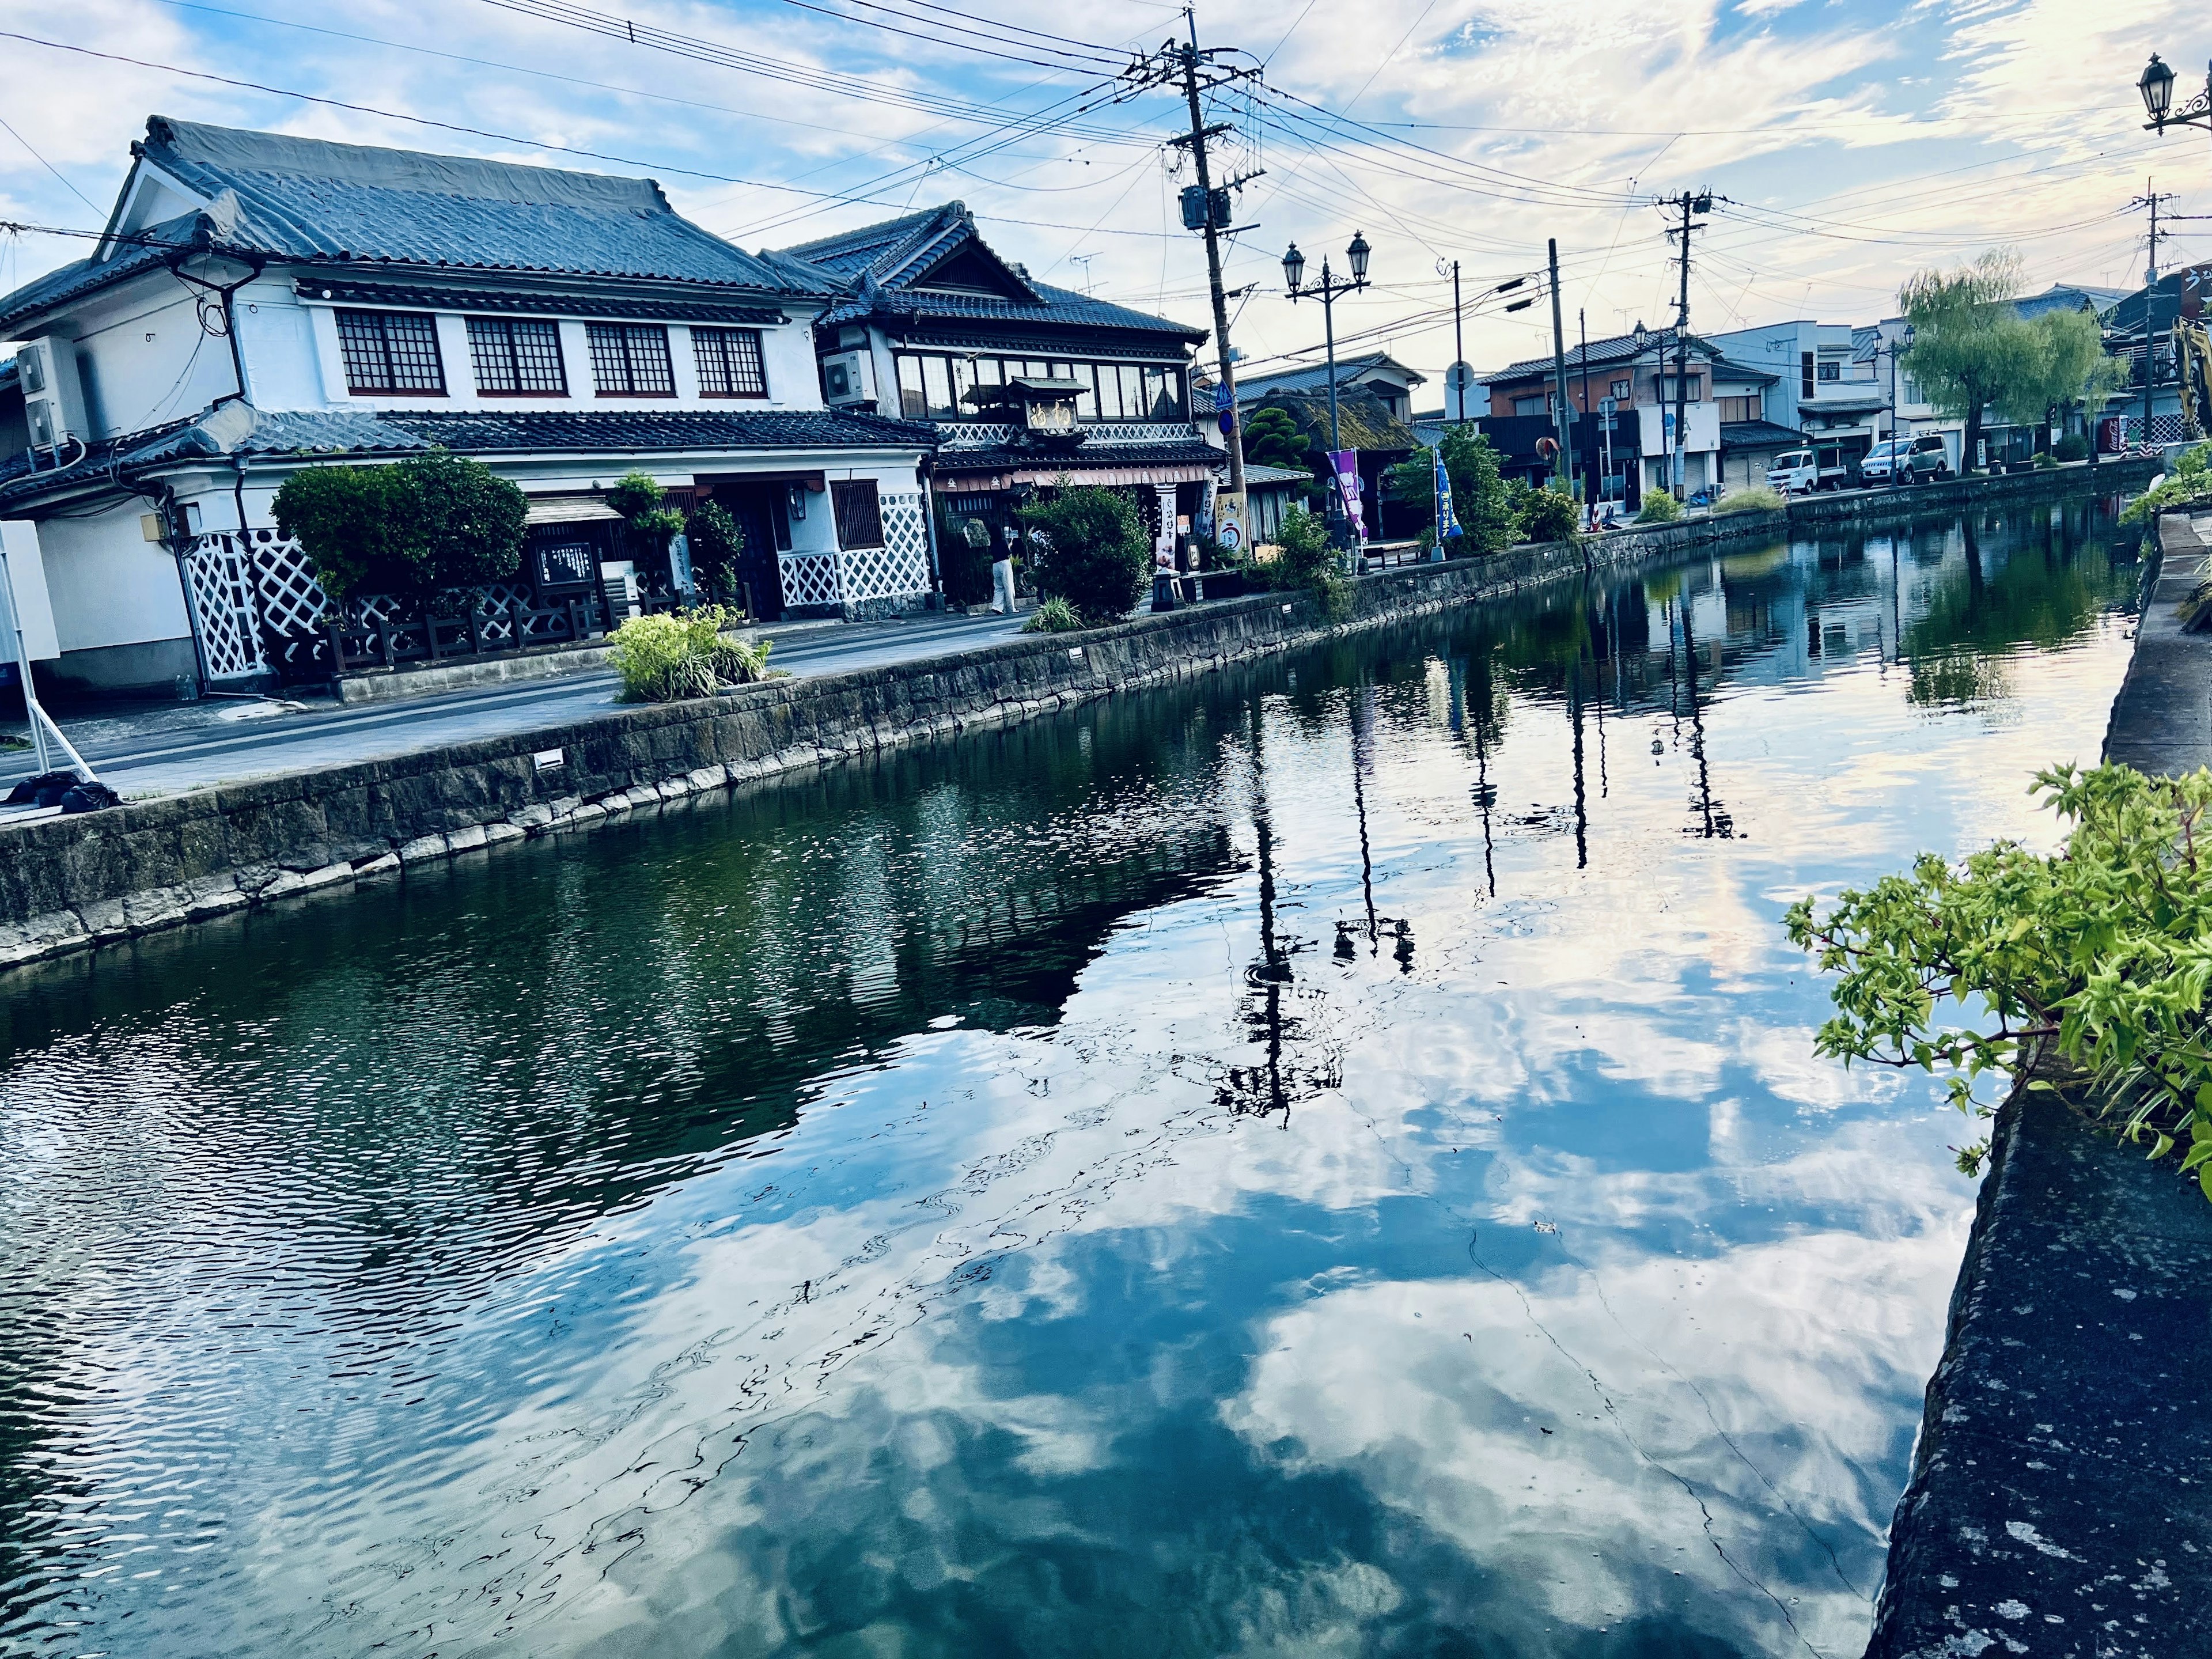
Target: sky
(1847,142)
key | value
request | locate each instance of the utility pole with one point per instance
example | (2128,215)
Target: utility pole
(2152,200)
(1582,328)
(1200,70)
(1689,204)
(1459,353)
(1559,377)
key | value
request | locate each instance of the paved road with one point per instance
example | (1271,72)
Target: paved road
(165,749)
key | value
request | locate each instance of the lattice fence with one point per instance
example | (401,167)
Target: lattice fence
(900,567)
(221,576)
(810,579)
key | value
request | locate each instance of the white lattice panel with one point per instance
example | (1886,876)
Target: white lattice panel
(292,600)
(900,566)
(810,579)
(1106,434)
(221,576)
(974,434)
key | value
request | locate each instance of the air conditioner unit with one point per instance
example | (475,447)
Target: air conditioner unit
(848,378)
(53,395)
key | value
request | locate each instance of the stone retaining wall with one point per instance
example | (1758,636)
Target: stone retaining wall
(71,883)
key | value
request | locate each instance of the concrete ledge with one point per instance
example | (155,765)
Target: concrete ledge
(2061,1497)
(395,685)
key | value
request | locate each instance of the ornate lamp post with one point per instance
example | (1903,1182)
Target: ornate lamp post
(1327,291)
(2156,85)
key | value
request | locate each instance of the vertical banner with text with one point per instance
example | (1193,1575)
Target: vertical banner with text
(1345,464)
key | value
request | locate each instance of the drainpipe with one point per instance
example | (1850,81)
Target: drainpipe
(224,294)
(929,528)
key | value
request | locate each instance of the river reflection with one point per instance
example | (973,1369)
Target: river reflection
(1327,1159)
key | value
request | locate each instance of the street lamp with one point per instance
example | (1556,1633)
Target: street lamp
(2156,85)
(1327,290)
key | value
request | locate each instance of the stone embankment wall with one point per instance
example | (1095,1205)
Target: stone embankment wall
(2060,1496)
(72,883)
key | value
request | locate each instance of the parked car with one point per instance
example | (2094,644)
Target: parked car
(1914,460)
(1821,466)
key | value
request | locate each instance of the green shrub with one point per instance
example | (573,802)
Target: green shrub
(1551,515)
(1054,616)
(1756,499)
(1094,553)
(663,658)
(1659,507)
(2073,447)
(1305,561)
(2190,484)
(431,523)
(2101,951)
(348,521)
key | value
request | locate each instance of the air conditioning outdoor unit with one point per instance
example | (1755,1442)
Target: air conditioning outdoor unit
(53,396)
(848,378)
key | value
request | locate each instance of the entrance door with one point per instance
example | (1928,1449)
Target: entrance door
(757,515)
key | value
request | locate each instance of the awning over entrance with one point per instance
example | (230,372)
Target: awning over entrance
(568,509)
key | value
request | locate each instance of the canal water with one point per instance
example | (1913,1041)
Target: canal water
(1323,1160)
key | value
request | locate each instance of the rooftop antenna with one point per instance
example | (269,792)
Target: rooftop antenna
(1084,260)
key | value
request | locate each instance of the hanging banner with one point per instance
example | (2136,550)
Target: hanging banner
(2194,348)
(1345,464)
(1229,521)
(1447,521)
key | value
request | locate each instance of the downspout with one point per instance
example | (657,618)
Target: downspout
(922,472)
(224,294)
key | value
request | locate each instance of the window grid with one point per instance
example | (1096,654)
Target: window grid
(934,387)
(517,358)
(630,360)
(859,513)
(730,363)
(391,351)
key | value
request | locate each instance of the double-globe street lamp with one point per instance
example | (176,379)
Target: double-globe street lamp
(1327,291)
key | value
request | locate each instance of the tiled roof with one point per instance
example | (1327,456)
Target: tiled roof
(1854,403)
(1614,348)
(237,429)
(461,297)
(1267,476)
(1758,434)
(877,265)
(308,199)
(147,250)
(1192,452)
(1313,377)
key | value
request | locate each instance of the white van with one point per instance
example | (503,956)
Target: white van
(1795,472)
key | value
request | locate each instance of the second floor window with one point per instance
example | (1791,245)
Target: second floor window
(730,363)
(630,360)
(517,359)
(391,351)
(1831,371)
(1740,409)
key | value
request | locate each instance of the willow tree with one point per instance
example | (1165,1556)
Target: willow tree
(1969,347)
(2067,367)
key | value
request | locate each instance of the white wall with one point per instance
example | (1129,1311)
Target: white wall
(308,370)
(108,584)
(145,361)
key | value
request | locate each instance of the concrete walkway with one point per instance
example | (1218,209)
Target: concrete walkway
(2061,1498)
(165,748)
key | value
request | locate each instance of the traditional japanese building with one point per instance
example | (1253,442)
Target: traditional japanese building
(260,303)
(1029,384)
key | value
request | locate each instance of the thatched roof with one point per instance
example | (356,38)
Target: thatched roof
(1363,420)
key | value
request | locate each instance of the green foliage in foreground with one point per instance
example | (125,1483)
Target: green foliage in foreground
(431,524)
(2190,484)
(663,658)
(2102,950)
(1054,616)
(1659,507)
(1091,550)
(1305,561)
(1756,499)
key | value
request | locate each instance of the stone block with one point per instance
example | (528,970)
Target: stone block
(531,818)
(673,788)
(44,935)
(383,864)
(590,813)
(105,919)
(423,847)
(709,777)
(283,884)
(466,840)
(495,833)
(213,896)
(328,876)
(156,908)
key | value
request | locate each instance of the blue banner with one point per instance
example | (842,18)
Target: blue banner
(1447,521)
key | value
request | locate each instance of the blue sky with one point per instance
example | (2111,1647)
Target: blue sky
(1854,143)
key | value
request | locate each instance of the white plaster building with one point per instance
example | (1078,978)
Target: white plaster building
(261,303)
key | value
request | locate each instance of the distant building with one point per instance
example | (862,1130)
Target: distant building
(1376,373)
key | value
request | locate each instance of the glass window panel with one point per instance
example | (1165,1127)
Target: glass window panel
(1132,392)
(1110,392)
(937,387)
(964,379)
(730,363)
(537,365)
(1086,400)
(990,372)
(912,404)
(391,351)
